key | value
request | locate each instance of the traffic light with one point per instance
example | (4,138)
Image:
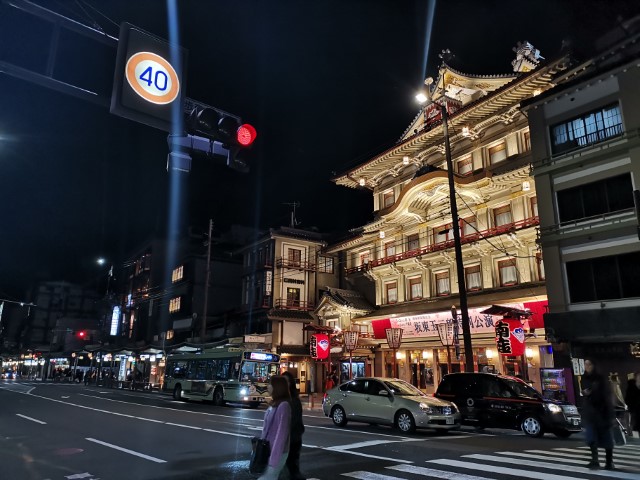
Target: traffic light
(225,128)
(81,334)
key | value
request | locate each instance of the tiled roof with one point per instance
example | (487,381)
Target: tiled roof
(289,314)
(348,298)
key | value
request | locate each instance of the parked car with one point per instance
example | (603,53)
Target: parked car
(490,400)
(388,401)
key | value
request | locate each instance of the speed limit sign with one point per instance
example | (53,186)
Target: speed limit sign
(152,77)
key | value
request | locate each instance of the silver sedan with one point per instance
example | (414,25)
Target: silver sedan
(389,401)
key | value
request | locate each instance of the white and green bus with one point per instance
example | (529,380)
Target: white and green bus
(221,375)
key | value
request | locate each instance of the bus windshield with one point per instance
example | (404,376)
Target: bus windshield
(257,371)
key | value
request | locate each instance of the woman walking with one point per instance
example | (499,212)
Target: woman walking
(598,414)
(277,425)
(297,429)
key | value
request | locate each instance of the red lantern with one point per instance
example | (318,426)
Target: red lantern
(319,346)
(510,337)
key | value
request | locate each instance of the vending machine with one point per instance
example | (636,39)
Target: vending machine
(557,384)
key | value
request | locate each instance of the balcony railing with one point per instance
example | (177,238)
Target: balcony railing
(588,139)
(288,304)
(296,264)
(436,247)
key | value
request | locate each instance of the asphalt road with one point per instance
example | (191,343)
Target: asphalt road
(62,431)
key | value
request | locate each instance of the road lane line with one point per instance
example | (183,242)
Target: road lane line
(183,426)
(370,443)
(516,472)
(32,419)
(370,476)
(431,472)
(555,466)
(360,454)
(620,457)
(228,433)
(126,450)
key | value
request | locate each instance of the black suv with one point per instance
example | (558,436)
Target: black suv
(489,400)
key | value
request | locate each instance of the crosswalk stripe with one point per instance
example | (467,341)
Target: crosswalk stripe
(370,476)
(616,453)
(431,472)
(565,468)
(544,455)
(583,457)
(517,472)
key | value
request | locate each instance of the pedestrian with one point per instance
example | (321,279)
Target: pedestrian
(277,425)
(297,429)
(329,384)
(619,404)
(632,398)
(598,414)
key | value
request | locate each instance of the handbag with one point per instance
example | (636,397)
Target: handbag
(260,453)
(619,434)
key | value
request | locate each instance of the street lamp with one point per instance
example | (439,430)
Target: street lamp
(350,344)
(446,334)
(394,340)
(462,289)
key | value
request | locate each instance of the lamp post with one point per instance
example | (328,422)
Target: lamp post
(446,334)
(464,311)
(350,343)
(394,340)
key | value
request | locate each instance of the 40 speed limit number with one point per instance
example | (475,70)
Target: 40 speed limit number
(152,77)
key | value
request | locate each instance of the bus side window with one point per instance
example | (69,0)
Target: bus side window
(211,370)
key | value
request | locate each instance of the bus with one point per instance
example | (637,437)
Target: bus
(221,375)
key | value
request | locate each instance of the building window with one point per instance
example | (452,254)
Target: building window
(389,249)
(364,257)
(596,198)
(502,216)
(388,198)
(177,274)
(473,277)
(593,127)
(174,305)
(442,233)
(534,206)
(540,266)
(604,278)
(294,257)
(465,166)
(293,297)
(392,292)
(415,288)
(325,264)
(443,285)
(508,272)
(469,226)
(497,153)
(413,242)
(526,141)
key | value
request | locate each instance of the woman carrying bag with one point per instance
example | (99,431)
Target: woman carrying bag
(276,428)
(297,429)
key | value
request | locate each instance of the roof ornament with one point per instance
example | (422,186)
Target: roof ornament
(527,57)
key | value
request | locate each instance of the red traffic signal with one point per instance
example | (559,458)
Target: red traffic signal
(82,334)
(246,134)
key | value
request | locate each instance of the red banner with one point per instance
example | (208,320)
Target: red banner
(319,345)
(510,337)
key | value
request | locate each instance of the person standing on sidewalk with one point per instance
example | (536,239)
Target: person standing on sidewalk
(297,429)
(277,425)
(632,398)
(598,414)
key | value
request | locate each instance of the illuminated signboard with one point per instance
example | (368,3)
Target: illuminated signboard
(115,319)
(148,80)
(262,356)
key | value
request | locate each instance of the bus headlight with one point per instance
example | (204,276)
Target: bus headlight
(243,391)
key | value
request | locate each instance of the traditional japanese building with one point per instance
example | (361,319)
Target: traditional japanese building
(407,252)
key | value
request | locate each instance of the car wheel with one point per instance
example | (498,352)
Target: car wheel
(531,426)
(562,433)
(177,392)
(405,422)
(218,397)
(338,416)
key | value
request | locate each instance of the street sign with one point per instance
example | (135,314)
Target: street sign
(148,81)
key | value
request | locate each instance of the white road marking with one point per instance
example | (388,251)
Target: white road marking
(370,443)
(556,466)
(496,469)
(227,433)
(32,419)
(360,454)
(79,475)
(546,455)
(183,426)
(370,476)
(430,472)
(126,450)
(619,457)
(65,396)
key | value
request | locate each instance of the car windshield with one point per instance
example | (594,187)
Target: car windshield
(523,389)
(398,387)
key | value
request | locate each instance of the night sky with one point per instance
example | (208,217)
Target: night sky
(327,84)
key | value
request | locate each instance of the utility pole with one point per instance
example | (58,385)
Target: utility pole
(462,288)
(203,330)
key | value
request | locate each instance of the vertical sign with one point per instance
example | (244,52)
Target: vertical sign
(115,320)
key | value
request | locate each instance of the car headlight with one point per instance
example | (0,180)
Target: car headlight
(425,408)
(243,391)
(553,408)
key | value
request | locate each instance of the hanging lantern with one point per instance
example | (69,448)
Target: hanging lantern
(510,337)
(350,340)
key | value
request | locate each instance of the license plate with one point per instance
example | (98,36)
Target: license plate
(450,421)
(575,421)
